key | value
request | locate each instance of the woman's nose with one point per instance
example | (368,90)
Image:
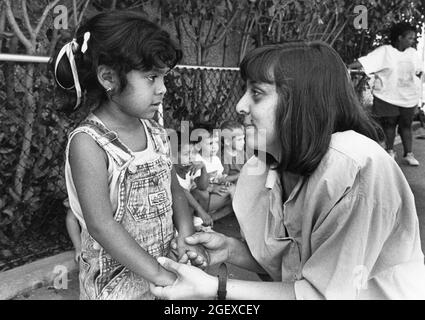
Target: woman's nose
(242,107)
(161,89)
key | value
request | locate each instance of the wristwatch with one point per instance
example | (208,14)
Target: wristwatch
(222,282)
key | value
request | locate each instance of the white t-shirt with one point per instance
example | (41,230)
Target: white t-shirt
(395,75)
(213,166)
(188,182)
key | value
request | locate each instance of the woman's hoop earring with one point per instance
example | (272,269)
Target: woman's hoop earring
(108,90)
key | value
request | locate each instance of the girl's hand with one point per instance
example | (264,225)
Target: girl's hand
(77,256)
(196,165)
(191,283)
(206,218)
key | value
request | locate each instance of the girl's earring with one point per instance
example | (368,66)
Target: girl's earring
(108,90)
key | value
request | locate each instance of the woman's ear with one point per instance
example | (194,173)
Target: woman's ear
(108,78)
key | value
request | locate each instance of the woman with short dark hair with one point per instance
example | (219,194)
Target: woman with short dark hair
(325,211)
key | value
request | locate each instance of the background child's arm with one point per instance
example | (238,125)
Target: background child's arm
(233,178)
(89,172)
(198,208)
(74,232)
(202,182)
(183,218)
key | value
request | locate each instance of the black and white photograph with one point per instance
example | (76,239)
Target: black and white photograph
(216,150)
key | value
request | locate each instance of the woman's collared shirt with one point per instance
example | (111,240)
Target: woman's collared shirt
(349,231)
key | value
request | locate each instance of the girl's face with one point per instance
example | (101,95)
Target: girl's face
(143,94)
(258,105)
(407,41)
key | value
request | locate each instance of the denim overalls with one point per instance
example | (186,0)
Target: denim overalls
(144,210)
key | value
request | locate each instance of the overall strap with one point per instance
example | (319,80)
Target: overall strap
(107,140)
(159,137)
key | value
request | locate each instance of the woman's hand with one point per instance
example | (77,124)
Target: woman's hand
(216,244)
(191,283)
(182,250)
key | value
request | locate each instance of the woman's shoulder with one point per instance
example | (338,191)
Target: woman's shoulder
(350,151)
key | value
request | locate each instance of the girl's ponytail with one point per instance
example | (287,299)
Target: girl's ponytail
(65,79)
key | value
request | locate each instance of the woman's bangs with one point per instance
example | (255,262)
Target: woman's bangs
(259,67)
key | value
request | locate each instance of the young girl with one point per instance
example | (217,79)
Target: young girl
(119,175)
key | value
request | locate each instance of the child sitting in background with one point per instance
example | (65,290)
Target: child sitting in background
(233,149)
(192,174)
(217,195)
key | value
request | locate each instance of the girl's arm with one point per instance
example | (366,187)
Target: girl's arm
(198,208)
(74,231)
(89,172)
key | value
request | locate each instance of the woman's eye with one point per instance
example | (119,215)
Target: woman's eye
(255,92)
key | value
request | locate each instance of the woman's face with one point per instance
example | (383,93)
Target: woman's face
(258,105)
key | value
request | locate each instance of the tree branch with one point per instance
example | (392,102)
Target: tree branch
(74,6)
(11,18)
(209,31)
(83,11)
(338,33)
(27,18)
(114,4)
(192,38)
(223,33)
(44,16)
(2,24)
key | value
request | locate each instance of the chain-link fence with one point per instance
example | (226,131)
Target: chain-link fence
(33,137)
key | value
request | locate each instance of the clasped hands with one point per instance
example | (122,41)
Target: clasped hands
(191,281)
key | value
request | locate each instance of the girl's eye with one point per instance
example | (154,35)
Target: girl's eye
(151,78)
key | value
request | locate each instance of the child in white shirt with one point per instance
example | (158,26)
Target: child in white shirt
(217,195)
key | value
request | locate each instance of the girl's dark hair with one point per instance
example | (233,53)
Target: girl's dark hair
(400,29)
(315,99)
(122,40)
